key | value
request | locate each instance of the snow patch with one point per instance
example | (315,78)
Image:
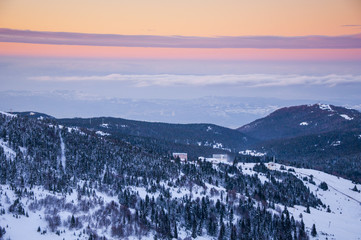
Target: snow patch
(336,143)
(104,125)
(75,129)
(9,153)
(252,153)
(209,128)
(220,146)
(346,117)
(325,107)
(8,114)
(101,133)
(23,150)
(62,146)
(304,124)
(216,160)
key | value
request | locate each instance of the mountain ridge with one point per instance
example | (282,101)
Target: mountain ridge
(301,120)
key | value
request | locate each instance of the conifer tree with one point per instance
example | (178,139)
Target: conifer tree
(314,232)
(222,231)
(175,229)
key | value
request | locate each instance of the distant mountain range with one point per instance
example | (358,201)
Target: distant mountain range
(231,112)
(321,136)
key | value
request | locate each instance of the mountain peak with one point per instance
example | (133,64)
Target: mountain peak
(302,120)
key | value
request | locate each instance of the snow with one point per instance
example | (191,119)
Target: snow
(325,107)
(304,124)
(104,125)
(247,169)
(343,222)
(252,153)
(23,150)
(32,114)
(23,227)
(220,146)
(101,133)
(217,161)
(209,128)
(346,117)
(7,114)
(9,153)
(62,146)
(336,143)
(75,129)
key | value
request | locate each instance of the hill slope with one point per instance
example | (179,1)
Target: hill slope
(206,135)
(318,136)
(303,120)
(60,182)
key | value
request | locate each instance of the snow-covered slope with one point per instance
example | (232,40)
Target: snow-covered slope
(9,153)
(7,114)
(344,220)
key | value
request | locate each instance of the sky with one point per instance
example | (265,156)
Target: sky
(186,49)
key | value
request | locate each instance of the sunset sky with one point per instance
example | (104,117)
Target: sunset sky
(183,49)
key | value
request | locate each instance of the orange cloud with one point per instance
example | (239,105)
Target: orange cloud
(66,51)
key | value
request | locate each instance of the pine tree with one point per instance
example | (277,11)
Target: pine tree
(175,229)
(328,209)
(302,232)
(233,232)
(222,231)
(72,222)
(314,232)
(194,228)
(231,216)
(308,209)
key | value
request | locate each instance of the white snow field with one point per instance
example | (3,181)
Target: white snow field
(344,221)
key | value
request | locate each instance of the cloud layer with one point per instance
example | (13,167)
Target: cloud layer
(247,80)
(262,42)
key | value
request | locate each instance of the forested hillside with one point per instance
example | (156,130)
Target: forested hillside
(153,195)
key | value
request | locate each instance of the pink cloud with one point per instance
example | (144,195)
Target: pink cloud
(258,42)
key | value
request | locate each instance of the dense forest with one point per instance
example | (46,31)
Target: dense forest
(196,196)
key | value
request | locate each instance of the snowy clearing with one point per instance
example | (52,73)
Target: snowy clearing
(9,153)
